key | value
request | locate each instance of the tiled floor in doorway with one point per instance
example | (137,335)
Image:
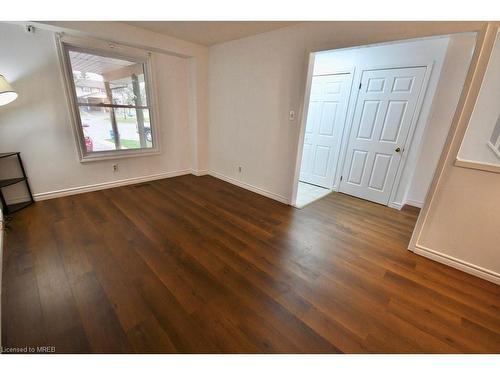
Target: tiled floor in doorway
(308,193)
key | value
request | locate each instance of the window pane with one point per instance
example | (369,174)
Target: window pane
(106,80)
(97,129)
(128,121)
(124,90)
(102,84)
(495,136)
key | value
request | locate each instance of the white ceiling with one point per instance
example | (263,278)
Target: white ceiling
(210,32)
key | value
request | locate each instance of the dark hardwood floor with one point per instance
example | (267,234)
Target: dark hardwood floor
(196,265)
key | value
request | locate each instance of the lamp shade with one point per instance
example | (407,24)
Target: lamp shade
(7,94)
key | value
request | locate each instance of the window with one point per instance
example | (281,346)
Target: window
(111,101)
(494,142)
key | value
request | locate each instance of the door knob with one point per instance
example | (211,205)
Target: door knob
(398,149)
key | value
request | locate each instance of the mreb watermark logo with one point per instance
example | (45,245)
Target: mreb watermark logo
(45,349)
(28,349)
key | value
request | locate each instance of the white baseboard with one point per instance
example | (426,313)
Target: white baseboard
(136,180)
(252,188)
(411,202)
(396,205)
(461,265)
(201,172)
(107,185)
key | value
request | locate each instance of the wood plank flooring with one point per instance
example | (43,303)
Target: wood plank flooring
(196,265)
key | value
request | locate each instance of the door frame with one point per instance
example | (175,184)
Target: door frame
(304,111)
(429,67)
(356,75)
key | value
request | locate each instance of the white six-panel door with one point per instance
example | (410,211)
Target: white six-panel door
(384,109)
(325,121)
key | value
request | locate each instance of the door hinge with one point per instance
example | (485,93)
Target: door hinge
(359,88)
(340,178)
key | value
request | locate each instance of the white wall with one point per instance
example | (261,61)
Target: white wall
(485,115)
(196,55)
(454,72)
(459,225)
(412,53)
(255,81)
(38,122)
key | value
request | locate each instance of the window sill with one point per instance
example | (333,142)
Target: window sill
(112,155)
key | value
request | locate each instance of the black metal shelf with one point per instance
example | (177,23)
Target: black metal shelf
(11,181)
(13,207)
(7,154)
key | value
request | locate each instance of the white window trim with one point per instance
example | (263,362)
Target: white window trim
(117,51)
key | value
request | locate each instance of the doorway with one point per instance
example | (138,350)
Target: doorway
(368,144)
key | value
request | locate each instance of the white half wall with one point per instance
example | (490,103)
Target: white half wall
(38,122)
(255,81)
(459,224)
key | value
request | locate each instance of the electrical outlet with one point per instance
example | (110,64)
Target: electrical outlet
(30,29)
(115,167)
(239,169)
